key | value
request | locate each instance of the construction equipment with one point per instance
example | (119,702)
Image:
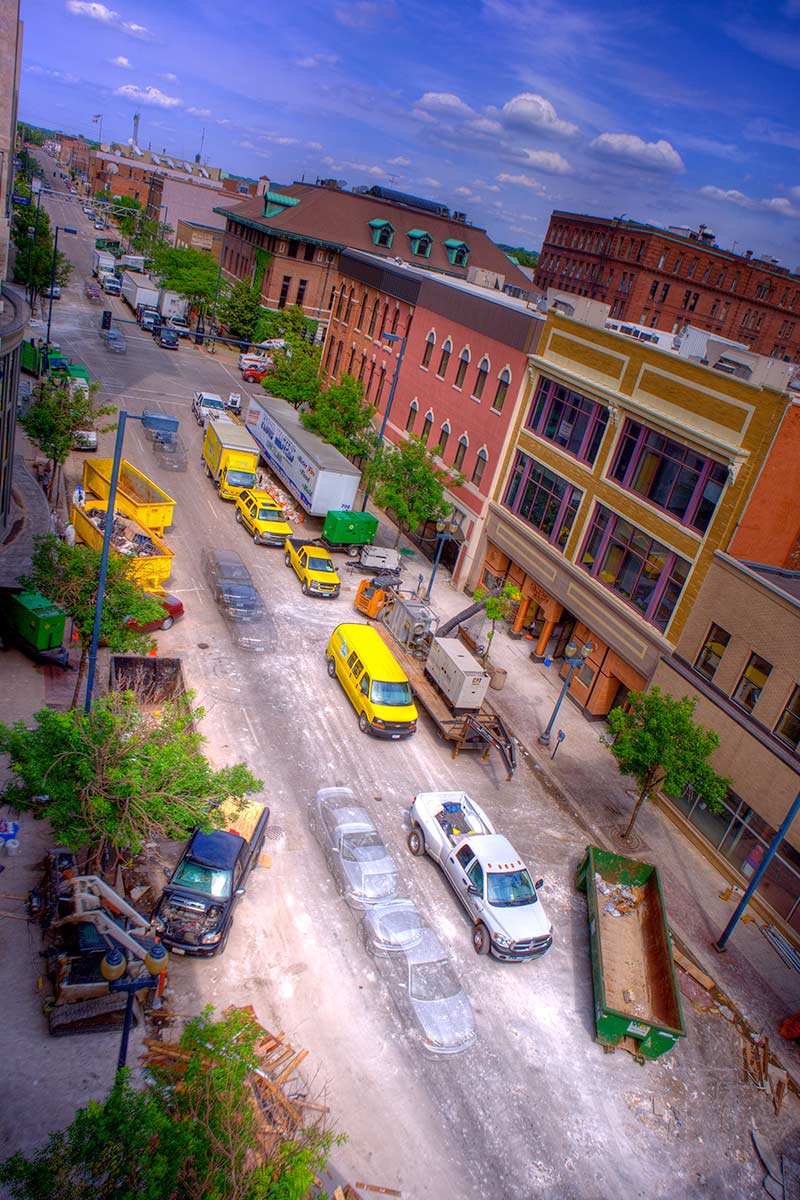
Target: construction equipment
(375,595)
(82,918)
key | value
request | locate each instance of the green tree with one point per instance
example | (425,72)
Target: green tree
(33,242)
(657,742)
(498,608)
(409,484)
(190,1133)
(191,273)
(239,312)
(289,323)
(30,134)
(58,412)
(340,416)
(69,576)
(294,376)
(525,258)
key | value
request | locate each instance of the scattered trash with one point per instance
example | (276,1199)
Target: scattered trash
(623,900)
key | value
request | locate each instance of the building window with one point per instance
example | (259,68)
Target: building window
(543,499)
(395,320)
(351,300)
(461,450)
(664,293)
(426,427)
(382,233)
(373,318)
(463,363)
(421,242)
(379,392)
(292,249)
(447,350)
(443,436)
(751,684)
(340,304)
(711,652)
(329,352)
(338,358)
(362,312)
(480,466)
(362,369)
(569,420)
(301,291)
(632,564)
(430,342)
(287,279)
(788,728)
(503,380)
(412,416)
(457,252)
(480,378)
(308,252)
(669,475)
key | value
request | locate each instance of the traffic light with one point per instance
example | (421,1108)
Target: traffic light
(107,314)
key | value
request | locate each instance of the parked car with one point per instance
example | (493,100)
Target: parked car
(88,210)
(99,225)
(166,338)
(54,291)
(254,374)
(93,293)
(231,585)
(173,611)
(117,344)
(85,439)
(362,867)
(419,977)
(180,326)
(262,518)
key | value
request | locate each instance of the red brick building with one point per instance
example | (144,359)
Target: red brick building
(289,241)
(464,367)
(667,278)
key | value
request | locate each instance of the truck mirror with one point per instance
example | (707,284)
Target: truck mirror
(472,890)
(239,892)
(539,884)
(166,872)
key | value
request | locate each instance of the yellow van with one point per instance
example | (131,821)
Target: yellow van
(373,680)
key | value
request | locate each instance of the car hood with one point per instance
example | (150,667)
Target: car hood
(448,1025)
(372,882)
(521,922)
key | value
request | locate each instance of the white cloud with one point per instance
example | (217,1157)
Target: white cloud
(198,112)
(399,161)
(147,95)
(628,148)
(446,103)
(170,78)
(121,61)
(363,168)
(525,181)
(531,111)
(316,60)
(365,14)
(429,181)
(313,145)
(777,204)
(485,125)
(106,16)
(545,160)
(466,192)
(48,73)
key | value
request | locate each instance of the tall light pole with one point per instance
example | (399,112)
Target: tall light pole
(216,291)
(150,420)
(389,337)
(58,229)
(574,658)
(445,531)
(113,966)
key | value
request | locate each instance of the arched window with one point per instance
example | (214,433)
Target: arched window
(395,319)
(329,351)
(412,416)
(426,427)
(463,363)
(384,320)
(362,312)
(381,382)
(338,358)
(503,380)
(332,300)
(351,361)
(430,342)
(340,304)
(461,450)
(363,366)
(447,350)
(373,318)
(351,301)
(480,464)
(444,434)
(480,378)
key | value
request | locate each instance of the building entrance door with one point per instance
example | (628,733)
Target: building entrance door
(563,632)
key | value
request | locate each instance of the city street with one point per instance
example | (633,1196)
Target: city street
(534,1108)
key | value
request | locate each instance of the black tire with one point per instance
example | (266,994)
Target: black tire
(353,551)
(416,842)
(363,722)
(168,622)
(256,537)
(208,471)
(238,516)
(287,558)
(304,588)
(481,942)
(332,667)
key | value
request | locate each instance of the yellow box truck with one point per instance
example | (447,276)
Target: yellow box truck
(230,456)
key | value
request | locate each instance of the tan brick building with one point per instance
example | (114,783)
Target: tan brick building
(629,466)
(194,236)
(739,657)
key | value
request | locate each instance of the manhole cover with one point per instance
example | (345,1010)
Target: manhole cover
(203,646)
(274,832)
(629,843)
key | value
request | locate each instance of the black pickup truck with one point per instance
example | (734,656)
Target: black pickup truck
(194,913)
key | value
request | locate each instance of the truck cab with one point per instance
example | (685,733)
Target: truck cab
(313,566)
(262,518)
(207,405)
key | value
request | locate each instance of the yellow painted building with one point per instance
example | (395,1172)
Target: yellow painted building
(629,465)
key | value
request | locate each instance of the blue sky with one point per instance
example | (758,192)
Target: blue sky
(673,113)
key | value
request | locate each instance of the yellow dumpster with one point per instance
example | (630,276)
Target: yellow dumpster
(137,496)
(153,558)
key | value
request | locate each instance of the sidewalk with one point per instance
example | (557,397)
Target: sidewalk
(583,778)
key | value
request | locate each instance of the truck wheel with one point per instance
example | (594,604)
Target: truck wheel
(481,943)
(304,588)
(287,558)
(363,723)
(238,517)
(208,471)
(332,667)
(416,842)
(256,537)
(353,551)
(168,622)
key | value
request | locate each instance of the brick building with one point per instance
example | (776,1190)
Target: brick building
(738,657)
(666,278)
(463,370)
(195,236)
(290,240)
(769,531)
(628,467)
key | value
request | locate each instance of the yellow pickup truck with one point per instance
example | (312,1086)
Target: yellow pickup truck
(262,518)
(313,566)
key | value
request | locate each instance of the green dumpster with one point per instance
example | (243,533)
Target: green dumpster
(343,530)
(37,621)
(637,1004)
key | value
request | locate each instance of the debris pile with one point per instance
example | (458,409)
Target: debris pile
(125,537)
(622,899)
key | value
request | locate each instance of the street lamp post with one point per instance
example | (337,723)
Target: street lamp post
(61,229)
(113,966)
(445,531)
(216,290)
(32,235)
(160,424)
(389,337)
(574,658)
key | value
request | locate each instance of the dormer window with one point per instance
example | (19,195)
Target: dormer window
(421,242)
(382,233)
(457,252)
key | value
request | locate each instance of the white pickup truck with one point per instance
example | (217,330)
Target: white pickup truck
(207,406)
(486,873)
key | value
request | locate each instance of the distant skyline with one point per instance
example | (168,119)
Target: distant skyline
(671,114)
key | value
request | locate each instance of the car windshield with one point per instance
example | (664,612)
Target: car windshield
(321,564)
(434,981)
(363,847)
(505,889)
(240,593)
(228,570)
(241,479)
(395,695)
(207,880)
(212,402)
(270,514)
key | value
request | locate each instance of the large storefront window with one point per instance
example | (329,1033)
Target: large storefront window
(543,499)
(569,420)
(648,576)
(743,838)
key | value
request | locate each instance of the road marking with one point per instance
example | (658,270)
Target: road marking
(249,725)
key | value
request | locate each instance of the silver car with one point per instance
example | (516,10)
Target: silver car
(419,977)
(361,865)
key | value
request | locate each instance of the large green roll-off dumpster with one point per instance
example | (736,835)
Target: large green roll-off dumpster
(36,620)
(637,1004)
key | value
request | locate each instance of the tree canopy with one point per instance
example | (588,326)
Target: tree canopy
(409,484)
(339,415)
(58,412)
(33,239)
(192,273)
(240,310)
(657,742)
(289,323)
(294,376)
(498,608)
